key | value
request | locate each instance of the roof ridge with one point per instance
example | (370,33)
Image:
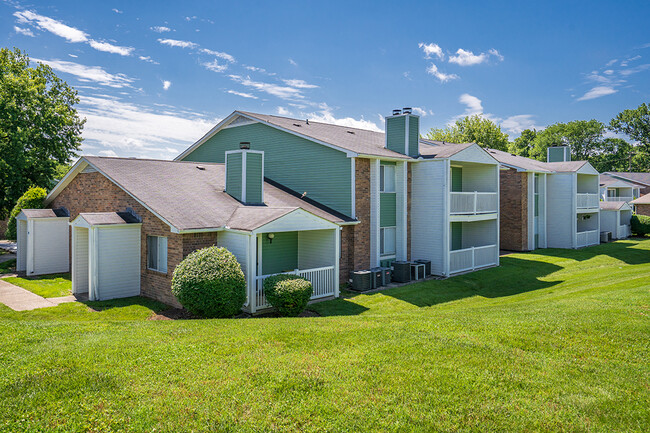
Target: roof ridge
(128,158)
(311,121)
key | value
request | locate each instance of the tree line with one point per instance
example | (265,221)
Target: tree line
(588,139)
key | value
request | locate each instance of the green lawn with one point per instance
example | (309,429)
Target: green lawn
(556,341)
(7,266)
(47,286)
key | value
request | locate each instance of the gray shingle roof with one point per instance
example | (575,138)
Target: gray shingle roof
(566,166)
(191,198)
(612,205)
(106,218)
(44,213)
(643,178)
(439,149)
(644,199)
(606,180)
(520,162)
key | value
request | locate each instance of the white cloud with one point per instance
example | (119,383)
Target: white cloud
(635,70)
(260,70)
(26,32)
(431,49)
(597,92)
(433,70)
(517,124)
(282,92)
(148,59)
(468,58)
(89,73)
(160,29)
(472,103)
(611,62)
(110,48)
(242,94)
(300,84)
(107,153)
(214,66)
(166,84)
(283,111)
(51,25)
(496,54)
(326,116)
(422,112)
(177,43)
(219,54)
(74,56)
(117,11)
(293,62)
(133,130)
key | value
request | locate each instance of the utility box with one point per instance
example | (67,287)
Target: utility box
(361,280)
(605,237)
(427,266)
(377,278)
(402,272)
(386,276)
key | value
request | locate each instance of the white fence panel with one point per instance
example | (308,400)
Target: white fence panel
(586,238)
(472,258)
(473,202)
(587,200)
(621,198)
(322,281)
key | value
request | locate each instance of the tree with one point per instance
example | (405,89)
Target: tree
(39,126)
(584,136)
(472,129)
(523,145)
(614,156)
(635,123)
(32,199)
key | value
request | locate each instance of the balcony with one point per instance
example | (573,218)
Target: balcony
(472,258)
(588,201)
(473,203)
(587,238)
(620,198)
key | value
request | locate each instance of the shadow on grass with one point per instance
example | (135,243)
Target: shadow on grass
(620,250)
(151,304)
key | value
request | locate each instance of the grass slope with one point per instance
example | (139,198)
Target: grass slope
(7,266)
(555,341)
(47,286)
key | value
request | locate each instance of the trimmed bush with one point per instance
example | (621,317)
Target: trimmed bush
(210,283)
(640,225)
(32,199)
(289,294)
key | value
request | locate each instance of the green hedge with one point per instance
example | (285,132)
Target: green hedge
(640,225)
(289,294)
(32,199)
(210,283)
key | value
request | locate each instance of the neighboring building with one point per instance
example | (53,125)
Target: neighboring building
(615,189)
(548,204)
(641,179)
(642,205)
(615,218)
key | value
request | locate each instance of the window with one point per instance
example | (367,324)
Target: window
(387,178)
(387,241)
(157,253)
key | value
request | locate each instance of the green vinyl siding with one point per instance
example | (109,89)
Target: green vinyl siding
(325,174)
(456,236)
(233,182)
(388,163)
(254,178)
(456,179)
(280,255)
(396,133)
(414,136)
(387,209)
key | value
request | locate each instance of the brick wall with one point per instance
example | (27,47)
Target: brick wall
(642,209)
(361,250)
(514,210)
(92,192)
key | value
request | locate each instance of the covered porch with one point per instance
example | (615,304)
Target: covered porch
(473,188)
(588,229)
(473,245)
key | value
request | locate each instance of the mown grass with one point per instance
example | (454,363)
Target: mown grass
(47,286)
(7,266)
(553,341)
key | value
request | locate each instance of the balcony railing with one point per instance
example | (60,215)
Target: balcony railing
(322,281)
(588,200)
(472,258)
(623,232)
(473,203)
(625,198)
(589,237)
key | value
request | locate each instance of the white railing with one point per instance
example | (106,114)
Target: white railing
(589,237)
(623,232)
(322,281)
(472,258)
(624,198)
(588,200)
(473,202)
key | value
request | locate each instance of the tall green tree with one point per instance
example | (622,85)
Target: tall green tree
(614,156)
(39,126)
(472,129)
(584,136)
(635,123)
(523,145)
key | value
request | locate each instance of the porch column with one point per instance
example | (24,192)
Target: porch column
(337,259)
(251,271)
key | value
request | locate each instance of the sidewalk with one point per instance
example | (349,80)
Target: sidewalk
(19,299)
(8,246)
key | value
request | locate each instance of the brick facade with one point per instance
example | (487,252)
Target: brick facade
(92,192)
(642,209)
(514,210)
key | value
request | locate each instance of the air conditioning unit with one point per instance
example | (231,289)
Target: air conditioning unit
(605,237)
(362,280)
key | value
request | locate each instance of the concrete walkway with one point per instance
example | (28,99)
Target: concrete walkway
(19,299)
(8,246)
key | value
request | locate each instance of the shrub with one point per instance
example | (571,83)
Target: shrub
(640,225)
(32,199)
(210,283)
(288,293)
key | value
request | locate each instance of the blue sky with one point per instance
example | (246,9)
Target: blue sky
(154,77)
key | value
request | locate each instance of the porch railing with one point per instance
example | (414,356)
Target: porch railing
(588,200)
(589,237)
(623,231)
(322,281)
(625,198)
(473,203)
(472,258)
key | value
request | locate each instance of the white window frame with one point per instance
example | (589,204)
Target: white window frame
(161,250)
(382,177)
(382,241)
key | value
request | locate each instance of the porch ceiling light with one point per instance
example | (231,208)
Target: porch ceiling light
(270,236)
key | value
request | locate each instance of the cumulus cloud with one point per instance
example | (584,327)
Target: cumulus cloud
(472,103)
(26,32)
(326,116)
(160,29)
(177,43)
(219,54)
(89,73)
(51,25)
(242,94)
(148,60)
(422,111)
(597,92)
(431,49)
(214,66)
(117,11)
(468,58)
(300,84)
(433,70)
(517,124)
(110,48)
(282,92)
(166,84)
(283,111)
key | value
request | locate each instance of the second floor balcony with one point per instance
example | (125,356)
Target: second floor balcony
(473,203)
